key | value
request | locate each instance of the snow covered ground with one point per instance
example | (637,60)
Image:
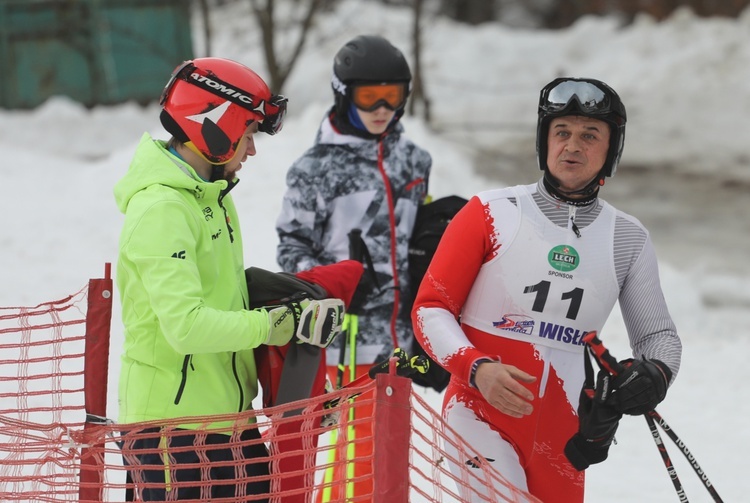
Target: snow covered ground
(684,82)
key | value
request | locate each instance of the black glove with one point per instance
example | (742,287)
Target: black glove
(640,387)
(597,424)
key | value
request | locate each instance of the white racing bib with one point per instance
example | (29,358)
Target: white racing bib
(546,285)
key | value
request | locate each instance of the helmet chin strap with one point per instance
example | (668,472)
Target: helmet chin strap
(217,172)
(589,192)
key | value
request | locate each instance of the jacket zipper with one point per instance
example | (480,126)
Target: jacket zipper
(392,219)
(185,364)
(572,220)
(239,384)
(226,216)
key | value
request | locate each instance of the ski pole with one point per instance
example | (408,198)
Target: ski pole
(355,253)
(662,448)
(405,367)
(655,416)
(347,327)
(610,363)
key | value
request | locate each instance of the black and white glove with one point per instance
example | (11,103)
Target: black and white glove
(320,322)
(597,424)
(315,322)
(640,387)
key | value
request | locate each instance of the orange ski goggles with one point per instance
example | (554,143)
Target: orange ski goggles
(370,97)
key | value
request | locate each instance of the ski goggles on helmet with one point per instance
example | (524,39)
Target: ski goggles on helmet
(370,97)
(584,96)
(271,113)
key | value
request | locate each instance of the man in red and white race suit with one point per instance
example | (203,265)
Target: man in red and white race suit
(520,275)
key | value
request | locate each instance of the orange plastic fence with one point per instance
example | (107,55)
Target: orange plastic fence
(56,445)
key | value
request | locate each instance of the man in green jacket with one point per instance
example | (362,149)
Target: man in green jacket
(189,335)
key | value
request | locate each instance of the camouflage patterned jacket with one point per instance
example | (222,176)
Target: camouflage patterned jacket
(345,182)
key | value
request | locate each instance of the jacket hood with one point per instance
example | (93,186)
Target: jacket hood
(153,164)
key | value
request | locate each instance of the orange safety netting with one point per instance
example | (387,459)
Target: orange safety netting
(56,445)
(41,396)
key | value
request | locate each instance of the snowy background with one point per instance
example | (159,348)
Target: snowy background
(685,173)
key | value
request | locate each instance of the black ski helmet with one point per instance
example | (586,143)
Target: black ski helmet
(589,98)
(366,59)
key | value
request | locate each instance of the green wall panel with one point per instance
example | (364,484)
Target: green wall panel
(94,51)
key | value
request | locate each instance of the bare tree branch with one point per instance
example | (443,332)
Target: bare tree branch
(418,87)
(278,69)
(203,6)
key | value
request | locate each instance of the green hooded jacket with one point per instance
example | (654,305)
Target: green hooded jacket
(189,338)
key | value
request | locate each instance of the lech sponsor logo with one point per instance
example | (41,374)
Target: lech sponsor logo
(563,258)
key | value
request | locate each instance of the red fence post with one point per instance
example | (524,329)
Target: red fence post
(392,431)
(96,369)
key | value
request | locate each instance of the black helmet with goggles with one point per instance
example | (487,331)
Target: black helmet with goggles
(587,97)
(369,72)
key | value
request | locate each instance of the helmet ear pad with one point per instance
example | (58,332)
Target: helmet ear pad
(208,129)
(217,141)
(341,104)
(171,126)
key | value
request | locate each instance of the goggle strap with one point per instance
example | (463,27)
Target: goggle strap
(175,75)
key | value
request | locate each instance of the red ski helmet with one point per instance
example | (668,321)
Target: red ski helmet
(208,104)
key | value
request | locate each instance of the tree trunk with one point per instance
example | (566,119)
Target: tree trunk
(418,88)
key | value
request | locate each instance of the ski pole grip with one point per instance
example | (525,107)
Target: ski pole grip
(379,368)
(602,354)
(420,364)
(355,245)
(384,366)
